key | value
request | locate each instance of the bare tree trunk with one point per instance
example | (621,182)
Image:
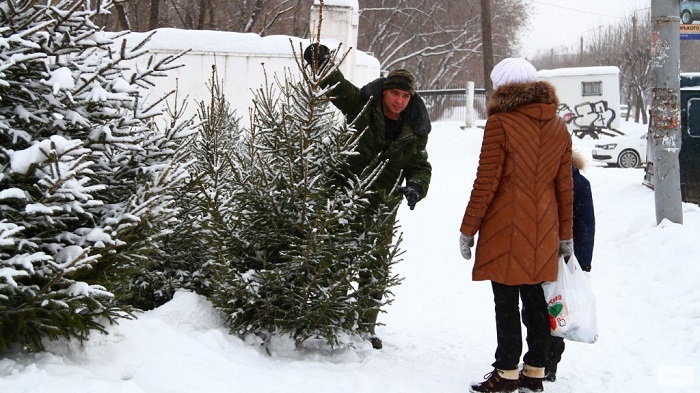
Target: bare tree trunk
(212,17)
(297,18)
(253,17)
(202,12)
(121,15)
(638,104)
(153,15)
(487,45)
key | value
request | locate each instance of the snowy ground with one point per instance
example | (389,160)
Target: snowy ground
(440,332)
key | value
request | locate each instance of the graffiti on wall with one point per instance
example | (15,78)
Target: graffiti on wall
(589,118)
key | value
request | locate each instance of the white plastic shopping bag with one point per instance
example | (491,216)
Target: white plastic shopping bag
(572,308)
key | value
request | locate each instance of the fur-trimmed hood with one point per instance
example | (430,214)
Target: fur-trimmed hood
(515,95)
(578,160)
(415,114)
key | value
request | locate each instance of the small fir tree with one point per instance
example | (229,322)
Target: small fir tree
(302,226)
(85,179)
(202,235)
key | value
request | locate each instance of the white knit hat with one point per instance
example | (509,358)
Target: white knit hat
(513,70)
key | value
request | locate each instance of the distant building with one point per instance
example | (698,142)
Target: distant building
(589,98)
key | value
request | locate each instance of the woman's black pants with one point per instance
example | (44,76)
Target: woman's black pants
(508,328)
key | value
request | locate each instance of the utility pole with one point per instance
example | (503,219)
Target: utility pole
(664,127)
(580,52)
(487,45)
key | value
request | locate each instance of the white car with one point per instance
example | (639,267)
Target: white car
(622,151)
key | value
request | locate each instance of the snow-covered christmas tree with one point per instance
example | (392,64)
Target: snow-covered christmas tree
(302,228)
(85,176)
(202,235)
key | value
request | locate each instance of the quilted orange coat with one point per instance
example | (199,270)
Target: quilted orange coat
(522,200)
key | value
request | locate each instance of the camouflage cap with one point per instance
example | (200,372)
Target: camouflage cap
(400,79)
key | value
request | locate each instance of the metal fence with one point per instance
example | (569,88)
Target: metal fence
(451,104)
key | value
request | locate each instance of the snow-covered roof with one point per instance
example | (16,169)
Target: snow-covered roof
(227,42)
(216,41)
(577,71)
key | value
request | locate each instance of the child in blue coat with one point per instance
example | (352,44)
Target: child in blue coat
(584,233)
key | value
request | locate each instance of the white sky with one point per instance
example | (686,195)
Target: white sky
(562,23)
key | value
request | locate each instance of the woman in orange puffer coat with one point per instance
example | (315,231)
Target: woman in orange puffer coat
(521,206)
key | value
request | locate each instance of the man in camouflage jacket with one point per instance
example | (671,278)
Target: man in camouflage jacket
(396,127)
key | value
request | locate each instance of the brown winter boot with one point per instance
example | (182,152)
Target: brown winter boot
(498,381)
(531,379)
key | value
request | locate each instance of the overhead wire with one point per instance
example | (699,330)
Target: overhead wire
(576,10)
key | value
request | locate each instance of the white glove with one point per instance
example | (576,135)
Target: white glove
(465,245)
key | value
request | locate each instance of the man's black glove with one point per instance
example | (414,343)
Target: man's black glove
(317,55)
(412,194)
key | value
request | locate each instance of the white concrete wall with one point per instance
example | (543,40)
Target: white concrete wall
(242,60)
